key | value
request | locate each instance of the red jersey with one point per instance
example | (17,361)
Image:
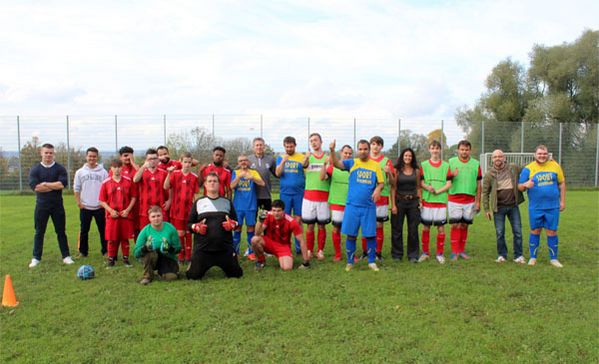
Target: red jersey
(170,163)
(281,230)
(384,200)
(117,195)
(224,178)
(127,170)
(151,190)
(184,188)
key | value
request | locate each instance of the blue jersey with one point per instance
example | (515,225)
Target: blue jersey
(545,194)
(245,192)
(363,179)
(292,179)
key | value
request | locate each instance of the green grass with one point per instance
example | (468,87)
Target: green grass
(474,311)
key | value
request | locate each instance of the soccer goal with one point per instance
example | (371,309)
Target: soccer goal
(520,159)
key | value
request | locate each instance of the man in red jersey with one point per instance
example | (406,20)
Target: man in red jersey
(165,161)
(183,185)
(150,181)
(224,175)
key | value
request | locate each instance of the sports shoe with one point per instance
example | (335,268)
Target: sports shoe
(373,267)
(532,261)
(310,255)
(337,258)
(379,257)
(259,266)
(500,259)
(145,281)
(453,257)
(81,255)
(320,255)
(441,259)
(349,267)
(34,263)
(251,257)
(126,262)
(68,260)
(464,256)
(556,263)
(520,260)
(110,263)
(423,258)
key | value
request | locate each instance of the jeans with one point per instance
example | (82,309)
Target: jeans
(41,216)
(410,210)
(513,214)
(85,217)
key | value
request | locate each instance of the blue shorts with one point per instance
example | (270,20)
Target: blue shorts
(293,202)
(248,215)
(356,217)
(548,219)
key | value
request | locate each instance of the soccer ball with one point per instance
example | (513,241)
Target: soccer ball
(86,272)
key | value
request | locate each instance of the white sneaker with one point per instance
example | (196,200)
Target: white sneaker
(423,257)
(500,259)
(68,260)
(34,263)
(556,263)
(520,260)
(320,255)
(349,267)
(532,261)
(441,259)
(373,267)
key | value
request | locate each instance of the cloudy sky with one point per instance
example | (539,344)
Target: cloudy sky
(375,60)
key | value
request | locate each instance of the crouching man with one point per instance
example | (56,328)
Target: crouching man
(157,246)
(212,220)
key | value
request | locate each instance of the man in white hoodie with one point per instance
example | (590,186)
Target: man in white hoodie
(88,180)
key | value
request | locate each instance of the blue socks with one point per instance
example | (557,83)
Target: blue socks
(350,248)
(250,235)
(534,241)
(371,245)
(236,241)
(552,244)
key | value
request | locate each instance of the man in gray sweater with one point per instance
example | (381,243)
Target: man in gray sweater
(265,165)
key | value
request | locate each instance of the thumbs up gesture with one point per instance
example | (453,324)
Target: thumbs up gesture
(229,224)
(200,227)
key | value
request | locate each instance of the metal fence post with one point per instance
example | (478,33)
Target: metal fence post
(442,139)
(212,126)
(398,137)
(522,137)
(261,127)
(164,126)
(559,147)
(597,156)
(116,135)
(68,155)
(355,141)
(21,159)
(482,137)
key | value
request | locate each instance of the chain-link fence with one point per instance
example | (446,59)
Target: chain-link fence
(573,145)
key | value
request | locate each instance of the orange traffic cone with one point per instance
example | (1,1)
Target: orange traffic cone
(8,295)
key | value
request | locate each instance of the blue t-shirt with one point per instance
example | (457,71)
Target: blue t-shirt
(245,192)
(292,179)
(363,178)
(545,194)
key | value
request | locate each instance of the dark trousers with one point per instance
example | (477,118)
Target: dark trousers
(202,261)
(513,214)
(41,216)
(85,217)
(166,267)
(405,209)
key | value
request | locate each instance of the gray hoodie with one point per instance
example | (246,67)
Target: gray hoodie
(87,183)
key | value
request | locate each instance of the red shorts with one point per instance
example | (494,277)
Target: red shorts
(118,229)
(179,224)
(275,248)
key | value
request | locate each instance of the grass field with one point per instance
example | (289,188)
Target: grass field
(473,311)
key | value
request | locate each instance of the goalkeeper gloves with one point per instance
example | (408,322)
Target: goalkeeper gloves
(229,224)
(200,227)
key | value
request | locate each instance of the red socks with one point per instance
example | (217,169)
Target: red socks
(426,239)
(463,238)
(337,243)
(440,243)
(380,238)
(310,240)
(322,238)
(455,237)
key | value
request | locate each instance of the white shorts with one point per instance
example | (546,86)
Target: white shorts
(460,212)
(433,216)
(315,212)
(382,213)
(337,217)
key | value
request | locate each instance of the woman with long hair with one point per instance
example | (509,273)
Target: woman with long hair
(406,197)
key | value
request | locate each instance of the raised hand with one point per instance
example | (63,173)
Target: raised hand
(229,224)
(200,227)
(333,145)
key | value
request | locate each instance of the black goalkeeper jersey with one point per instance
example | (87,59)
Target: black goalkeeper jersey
(217,239)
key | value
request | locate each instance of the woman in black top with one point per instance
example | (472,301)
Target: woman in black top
(406,197)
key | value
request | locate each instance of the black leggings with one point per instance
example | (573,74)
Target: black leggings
(202,261)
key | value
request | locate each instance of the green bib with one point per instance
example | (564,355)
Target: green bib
(386,191)
(436,177)
(313,181)
(467,179)
(339,187)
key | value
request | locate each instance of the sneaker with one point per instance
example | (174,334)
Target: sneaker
(320,255)
(126,262)
(81,255)
(441,259)
(379,257)
(423,258)
(251,257)
(110,263)
(464,256)
(310,255)
(500,259)
(68,260)
(337,258)
(34,263)
(349,267)
(532,261)
(259,266)
(145,281)
(520,260)
(453,257)
(373,267)
(556,263)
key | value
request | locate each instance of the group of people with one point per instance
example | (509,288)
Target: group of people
(157,205)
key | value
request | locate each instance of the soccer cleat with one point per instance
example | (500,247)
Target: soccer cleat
(453,257)
(349,267)
(320,255)
(520,260)
(110,263)
(34,263)
(126,262)
(68,260)
(259,266)
(532,261)
(145,281)
(373,267)
(556,263)
(251,257)
(337,258)
(423,258)
(464,256)
(441,259)
(379,257)
(500,259)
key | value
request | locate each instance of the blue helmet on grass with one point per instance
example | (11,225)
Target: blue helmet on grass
(86,272)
